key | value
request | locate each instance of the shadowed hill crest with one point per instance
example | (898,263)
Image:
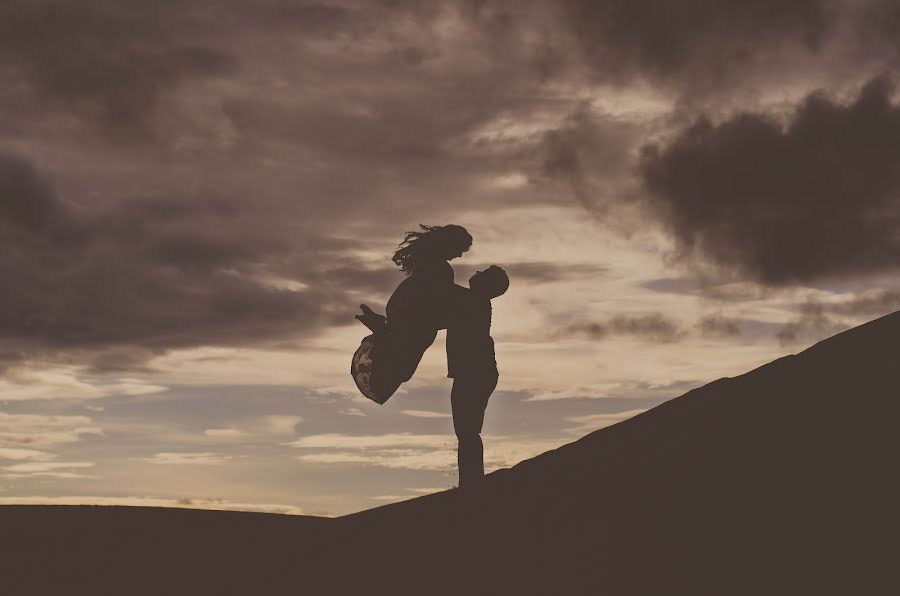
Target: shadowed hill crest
(778,481)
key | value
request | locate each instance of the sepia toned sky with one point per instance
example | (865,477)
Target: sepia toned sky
(196,195)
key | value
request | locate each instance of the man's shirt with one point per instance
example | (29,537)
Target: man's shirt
(470,348)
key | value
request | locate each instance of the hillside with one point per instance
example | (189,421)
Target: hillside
(779,481)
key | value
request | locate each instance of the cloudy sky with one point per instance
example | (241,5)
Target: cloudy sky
(196,195)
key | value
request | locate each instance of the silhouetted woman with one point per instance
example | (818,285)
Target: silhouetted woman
(415,312)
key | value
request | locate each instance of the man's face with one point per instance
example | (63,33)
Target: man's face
(481,279)
(492,281)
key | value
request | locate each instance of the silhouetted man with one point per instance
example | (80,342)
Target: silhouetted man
(472,365)
(471,362)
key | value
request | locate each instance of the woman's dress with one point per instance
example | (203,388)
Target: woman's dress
(415,312)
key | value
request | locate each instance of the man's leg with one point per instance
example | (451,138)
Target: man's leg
(468,399)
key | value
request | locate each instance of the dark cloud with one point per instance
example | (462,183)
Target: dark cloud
(692,42)
(534,272)
(879,20)
(26,201)
(711,287)
(330,135)
(815,319)
(815,198)
(673,285)
(357,278)
(110,62)
(589,153)
(388,132)
(135,279)
(870,304)
(810,325)
(315,19)
(653,327)
(694,47)
(719,326)
(338,120)
(367,282)
(118,63)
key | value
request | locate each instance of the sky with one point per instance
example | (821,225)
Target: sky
(196,196)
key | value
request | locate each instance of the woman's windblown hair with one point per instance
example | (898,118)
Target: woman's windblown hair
(433,242)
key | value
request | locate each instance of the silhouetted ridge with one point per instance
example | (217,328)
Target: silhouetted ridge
(775,481)
(778,481)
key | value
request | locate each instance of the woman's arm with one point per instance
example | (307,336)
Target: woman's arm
(371,319)
(450,305)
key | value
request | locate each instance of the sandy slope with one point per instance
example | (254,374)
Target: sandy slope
(780,481)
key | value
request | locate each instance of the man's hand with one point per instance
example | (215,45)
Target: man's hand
(371,319)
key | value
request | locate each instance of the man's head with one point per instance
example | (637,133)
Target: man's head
(491,282)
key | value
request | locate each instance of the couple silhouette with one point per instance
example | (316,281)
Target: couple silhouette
(425,302)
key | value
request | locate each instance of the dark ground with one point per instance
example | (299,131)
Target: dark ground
(779,481)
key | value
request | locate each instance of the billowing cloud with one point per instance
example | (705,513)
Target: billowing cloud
(535,272)
(188,458)
(36,431)
(242,222)
(869,303)
(817,197)
(879,24)
(719,326)
(810,325)
(111,63)
(24,454)
(590,154)
(53,469)
(116,285)
(689,42)
(61,383)
(816,319)
(654,327)
(257,428)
